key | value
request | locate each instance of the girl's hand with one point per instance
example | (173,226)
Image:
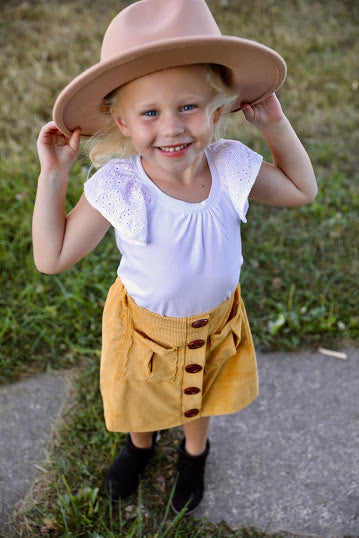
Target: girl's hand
(265,113)
(57,152)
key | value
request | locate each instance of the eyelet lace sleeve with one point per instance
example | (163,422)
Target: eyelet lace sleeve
(238,167)
(116,192)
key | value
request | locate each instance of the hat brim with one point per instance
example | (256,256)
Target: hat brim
(256,71)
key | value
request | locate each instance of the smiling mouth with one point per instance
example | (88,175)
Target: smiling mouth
(172,149)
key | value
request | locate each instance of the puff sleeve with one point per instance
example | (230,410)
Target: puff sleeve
(117,193)
(238,167)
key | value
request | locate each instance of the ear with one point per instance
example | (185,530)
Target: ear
(121,124)
(217,114)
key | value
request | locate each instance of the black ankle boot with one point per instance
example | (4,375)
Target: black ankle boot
(190,479)
(122,476)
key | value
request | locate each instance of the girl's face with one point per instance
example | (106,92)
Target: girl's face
(165,115)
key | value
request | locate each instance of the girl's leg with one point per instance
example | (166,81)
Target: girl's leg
(142,440)
(192,455)
(196,433)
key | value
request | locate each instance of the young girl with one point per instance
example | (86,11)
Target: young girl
(177,347)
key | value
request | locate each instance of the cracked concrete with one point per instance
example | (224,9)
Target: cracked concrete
(289,462)
(28,412)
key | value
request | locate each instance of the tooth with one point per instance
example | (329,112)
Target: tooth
(172,149)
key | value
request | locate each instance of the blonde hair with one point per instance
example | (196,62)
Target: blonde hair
(110,142)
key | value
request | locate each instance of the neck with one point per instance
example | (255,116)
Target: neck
(184,177)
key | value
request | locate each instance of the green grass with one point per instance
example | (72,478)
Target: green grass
(300,275)
(49,322)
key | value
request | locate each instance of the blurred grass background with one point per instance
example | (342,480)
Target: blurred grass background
(300,275)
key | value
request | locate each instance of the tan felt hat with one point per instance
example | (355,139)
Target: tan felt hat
(150,35)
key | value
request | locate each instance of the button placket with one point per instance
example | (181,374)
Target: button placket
(195,356)
(192,401)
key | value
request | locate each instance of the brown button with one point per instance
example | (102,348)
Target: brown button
(192,390)
(196,344)
(199,323)
(193,368)
(191,413)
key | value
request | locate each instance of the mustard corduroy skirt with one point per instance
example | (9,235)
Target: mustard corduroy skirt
(159,372)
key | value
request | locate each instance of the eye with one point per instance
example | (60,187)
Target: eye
(150,113)
(187,108)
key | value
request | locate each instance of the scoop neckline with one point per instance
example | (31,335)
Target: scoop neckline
(175,202)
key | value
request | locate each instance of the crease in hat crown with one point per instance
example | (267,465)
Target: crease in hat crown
(150,35)
(152,21)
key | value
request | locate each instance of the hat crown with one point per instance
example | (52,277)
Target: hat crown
(151,21)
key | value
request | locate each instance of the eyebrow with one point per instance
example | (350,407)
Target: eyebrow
(187,99)
(146,106)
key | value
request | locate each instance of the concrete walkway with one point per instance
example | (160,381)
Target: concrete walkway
(28,411)
(288,463)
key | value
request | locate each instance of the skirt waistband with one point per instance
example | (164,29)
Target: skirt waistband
(171,330)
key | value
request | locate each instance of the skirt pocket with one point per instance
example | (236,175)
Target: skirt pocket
(225,344)
(149,361)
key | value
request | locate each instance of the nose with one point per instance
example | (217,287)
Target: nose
(172,125)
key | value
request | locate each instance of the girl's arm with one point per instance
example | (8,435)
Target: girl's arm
(290,180)
(60,241)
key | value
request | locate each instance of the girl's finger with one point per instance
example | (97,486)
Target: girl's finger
(247,111)
(50,126)
(74,141)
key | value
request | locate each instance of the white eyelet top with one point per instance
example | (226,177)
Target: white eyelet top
(178,258)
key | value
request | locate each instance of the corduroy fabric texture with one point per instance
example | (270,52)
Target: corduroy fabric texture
(144,382)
